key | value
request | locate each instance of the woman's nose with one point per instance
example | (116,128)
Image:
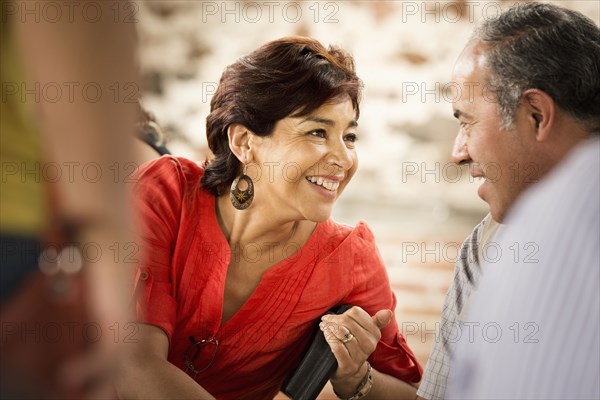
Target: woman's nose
(341,155)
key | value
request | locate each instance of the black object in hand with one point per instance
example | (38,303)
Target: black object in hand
(316,367)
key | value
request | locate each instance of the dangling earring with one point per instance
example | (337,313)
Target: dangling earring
(241,199)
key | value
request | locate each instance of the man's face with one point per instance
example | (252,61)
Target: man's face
(505,160)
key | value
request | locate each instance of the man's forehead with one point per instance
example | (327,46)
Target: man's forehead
(472,62)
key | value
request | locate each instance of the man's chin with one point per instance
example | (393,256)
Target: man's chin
(497,215)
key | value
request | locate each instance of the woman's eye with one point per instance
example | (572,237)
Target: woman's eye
(351,137)
(318,133)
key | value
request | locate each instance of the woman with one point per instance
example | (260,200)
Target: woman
(245,257)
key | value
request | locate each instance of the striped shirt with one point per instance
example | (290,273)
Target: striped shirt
(541,301)
(456,305)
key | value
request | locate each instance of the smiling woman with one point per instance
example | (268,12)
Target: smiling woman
(245,258)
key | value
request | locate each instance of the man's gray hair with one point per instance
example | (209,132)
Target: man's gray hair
(545,47)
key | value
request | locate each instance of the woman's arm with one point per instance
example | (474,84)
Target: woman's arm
(388,387)
(145,373)
(384,387)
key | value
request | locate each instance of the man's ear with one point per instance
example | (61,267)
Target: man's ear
(239,142)
(541,111)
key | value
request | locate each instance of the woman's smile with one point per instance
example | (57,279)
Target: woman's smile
(324,187)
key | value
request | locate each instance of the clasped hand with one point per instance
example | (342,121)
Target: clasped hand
(352,337)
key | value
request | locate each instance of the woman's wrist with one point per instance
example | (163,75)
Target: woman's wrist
(355,386)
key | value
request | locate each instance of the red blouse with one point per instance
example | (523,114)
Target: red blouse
(182,281)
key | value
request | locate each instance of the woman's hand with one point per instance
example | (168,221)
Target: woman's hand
(352,337)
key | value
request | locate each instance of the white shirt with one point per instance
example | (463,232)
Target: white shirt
(540,303)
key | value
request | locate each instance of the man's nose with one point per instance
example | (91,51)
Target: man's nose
(460,154)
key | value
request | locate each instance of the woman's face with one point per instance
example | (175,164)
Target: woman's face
(303,166)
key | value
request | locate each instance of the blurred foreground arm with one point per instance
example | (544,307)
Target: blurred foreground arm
(86,131)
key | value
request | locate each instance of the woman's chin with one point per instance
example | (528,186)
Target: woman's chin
(318,215)
(323,219)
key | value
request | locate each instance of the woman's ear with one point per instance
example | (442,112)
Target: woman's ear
(542,112)
(239,142)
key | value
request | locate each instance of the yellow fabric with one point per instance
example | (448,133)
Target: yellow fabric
(23,201)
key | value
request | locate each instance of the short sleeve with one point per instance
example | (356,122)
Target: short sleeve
(372,292)
(158,194)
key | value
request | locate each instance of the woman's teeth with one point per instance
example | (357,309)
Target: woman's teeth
(317,180)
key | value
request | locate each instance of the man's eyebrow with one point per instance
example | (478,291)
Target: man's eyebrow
(328,122)
(459,113)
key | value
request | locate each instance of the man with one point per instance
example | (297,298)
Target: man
(549,346)
(529,87)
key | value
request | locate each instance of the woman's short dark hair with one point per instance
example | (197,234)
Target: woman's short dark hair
(288,76)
